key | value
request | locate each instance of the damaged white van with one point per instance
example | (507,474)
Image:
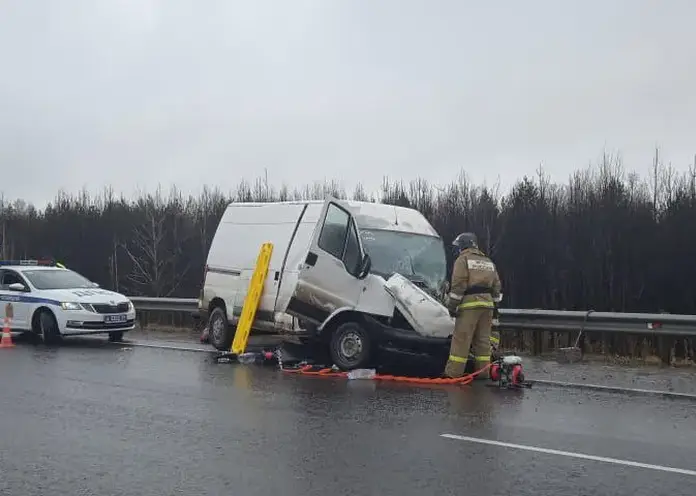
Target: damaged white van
(355,275)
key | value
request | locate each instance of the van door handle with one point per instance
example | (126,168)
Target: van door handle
(311,259)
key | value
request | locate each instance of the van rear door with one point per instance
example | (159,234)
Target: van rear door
(328,278)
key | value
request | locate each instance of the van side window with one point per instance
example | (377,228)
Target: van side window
(351,257)
(333,233)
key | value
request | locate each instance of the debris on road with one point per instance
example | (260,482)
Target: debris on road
(248,357)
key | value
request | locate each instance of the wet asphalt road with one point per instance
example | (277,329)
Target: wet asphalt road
(89,419)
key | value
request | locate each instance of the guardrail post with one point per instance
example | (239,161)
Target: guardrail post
(664,350)
(537,339)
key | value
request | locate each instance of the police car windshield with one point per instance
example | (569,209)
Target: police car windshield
(57,279)
(417,257)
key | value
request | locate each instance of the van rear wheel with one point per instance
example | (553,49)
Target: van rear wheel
(220,334)
(350,347)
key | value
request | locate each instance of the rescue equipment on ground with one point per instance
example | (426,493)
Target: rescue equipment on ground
(507,372)
(247,357)
(320,371)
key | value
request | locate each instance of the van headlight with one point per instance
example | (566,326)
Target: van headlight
(68,305)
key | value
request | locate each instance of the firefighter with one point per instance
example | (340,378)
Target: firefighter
(474,290)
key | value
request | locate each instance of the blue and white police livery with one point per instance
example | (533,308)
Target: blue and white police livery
(47,299)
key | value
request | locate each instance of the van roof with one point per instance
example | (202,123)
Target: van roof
(371,215)
(390,217)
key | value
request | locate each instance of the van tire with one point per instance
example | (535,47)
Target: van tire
(219,334)
(343,343)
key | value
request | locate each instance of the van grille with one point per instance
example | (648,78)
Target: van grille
(106,308)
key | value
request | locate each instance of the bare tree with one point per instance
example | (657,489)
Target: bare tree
(359,193)
(156,251)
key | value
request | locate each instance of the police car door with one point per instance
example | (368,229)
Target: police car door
(18,299)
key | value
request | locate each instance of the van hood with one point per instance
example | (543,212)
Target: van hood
(426,315)
(85,295)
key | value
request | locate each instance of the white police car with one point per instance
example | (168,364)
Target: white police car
(47,299)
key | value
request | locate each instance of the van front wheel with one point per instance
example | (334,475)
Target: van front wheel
(350,346)
(220,334)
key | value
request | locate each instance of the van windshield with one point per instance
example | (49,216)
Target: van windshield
(418,257)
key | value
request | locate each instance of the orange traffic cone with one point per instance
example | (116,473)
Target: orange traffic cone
(6,341)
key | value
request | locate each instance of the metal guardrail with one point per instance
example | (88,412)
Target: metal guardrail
(149,304)
(519,319)
(591,321)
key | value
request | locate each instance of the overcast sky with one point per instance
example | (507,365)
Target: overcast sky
(132,93)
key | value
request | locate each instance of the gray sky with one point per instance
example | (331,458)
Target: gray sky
(133,93)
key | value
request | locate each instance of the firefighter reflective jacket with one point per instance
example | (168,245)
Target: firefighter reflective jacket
(475,281)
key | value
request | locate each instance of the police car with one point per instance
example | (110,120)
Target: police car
(51,301)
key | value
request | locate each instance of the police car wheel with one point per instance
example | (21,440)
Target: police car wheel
(350,346)
(48,328)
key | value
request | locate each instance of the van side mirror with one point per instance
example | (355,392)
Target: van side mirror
(365,266)
(18,286)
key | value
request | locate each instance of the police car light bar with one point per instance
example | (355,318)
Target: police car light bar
(49,263)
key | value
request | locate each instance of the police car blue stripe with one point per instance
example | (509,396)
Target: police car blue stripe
(27,299)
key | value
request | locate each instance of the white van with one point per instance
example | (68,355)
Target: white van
(356,275)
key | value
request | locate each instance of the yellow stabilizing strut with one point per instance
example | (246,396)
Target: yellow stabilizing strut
(251,301)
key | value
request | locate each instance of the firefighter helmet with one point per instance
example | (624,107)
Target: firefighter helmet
(465,240)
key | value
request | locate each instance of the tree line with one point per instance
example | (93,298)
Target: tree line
(605,240)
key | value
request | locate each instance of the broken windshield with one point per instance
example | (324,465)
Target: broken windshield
(415,256)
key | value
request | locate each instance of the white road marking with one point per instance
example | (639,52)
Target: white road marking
(615,389)
(570,454)
(165,346)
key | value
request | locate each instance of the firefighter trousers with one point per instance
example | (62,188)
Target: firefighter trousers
(471,324)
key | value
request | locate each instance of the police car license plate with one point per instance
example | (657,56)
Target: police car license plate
(114,319)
